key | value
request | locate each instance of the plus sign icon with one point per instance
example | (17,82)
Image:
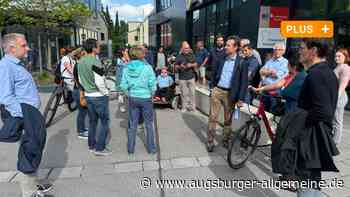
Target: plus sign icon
(307,29)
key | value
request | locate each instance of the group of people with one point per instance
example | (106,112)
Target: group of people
(305,80)
(314,93)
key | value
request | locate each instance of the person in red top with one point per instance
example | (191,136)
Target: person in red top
(290,85)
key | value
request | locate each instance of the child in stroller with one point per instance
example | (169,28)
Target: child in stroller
(165,87)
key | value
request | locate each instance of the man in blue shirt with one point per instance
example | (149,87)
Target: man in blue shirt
(273,71)
(230,82)
(201,59)
(17,88)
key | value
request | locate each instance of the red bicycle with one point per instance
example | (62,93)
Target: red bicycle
(245,140)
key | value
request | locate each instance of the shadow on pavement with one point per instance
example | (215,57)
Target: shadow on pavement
(199,127)
(256,166)
(56,155)
(60,117)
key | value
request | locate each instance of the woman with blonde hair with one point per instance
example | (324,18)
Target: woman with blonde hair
(139,83)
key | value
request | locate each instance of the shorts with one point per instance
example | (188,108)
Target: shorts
(202,72)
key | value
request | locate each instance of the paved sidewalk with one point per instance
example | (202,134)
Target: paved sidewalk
(77,172)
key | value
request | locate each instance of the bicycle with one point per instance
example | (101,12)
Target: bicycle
(55,101)
(245,140)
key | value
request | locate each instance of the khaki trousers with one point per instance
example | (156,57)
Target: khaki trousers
(220,98)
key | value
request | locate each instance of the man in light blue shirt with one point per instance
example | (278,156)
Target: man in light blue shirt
(227,72)
(17,86)
(276,68)
(230,83)
(18,91)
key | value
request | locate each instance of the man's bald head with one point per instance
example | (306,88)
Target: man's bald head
(244,42)
(185,47)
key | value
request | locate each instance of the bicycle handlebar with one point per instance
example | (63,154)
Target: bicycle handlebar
(268,95)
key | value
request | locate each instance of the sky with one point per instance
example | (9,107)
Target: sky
(130,10)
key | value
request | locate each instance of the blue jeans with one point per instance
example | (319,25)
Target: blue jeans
(32,140)
(98,109)
(82,112)
(139,107)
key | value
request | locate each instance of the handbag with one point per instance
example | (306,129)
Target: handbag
(82,99)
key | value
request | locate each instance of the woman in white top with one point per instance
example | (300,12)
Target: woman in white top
(67,67)
(342,72)
(161,59)
(122,60)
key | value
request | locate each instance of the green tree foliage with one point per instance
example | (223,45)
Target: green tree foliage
(4,4)
(118,31)
(47,15)
(120,35)
(108,20)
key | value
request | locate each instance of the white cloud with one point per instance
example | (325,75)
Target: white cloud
(127,11)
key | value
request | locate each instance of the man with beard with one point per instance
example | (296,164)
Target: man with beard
(215,55)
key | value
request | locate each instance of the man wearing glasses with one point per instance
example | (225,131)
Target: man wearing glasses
(274,70)
(20,115)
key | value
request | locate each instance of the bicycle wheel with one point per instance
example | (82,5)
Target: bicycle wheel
(243,144)
(72,106)
(51,107)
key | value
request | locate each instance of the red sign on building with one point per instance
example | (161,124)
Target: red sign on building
(278,14)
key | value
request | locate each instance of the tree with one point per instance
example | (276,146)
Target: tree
(108,20)
(116,26)
(4,4)
(44,16)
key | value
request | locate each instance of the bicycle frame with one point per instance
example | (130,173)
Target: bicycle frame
(261,114)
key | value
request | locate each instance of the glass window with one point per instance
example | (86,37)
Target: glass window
(222,16)
(166,39)
(199,24)
(339,6)
(165,4)
(195,16)
(310,8)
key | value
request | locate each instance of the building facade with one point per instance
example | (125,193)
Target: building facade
(138,32)
(167,25)
(258,20)
(95,26)
(194,20)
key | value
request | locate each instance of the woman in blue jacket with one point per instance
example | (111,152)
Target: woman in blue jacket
(139,83)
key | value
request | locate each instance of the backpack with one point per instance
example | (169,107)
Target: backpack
(58,74)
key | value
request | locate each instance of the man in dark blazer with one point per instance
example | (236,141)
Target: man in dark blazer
(228,88)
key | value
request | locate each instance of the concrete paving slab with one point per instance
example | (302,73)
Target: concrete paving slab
(189,162)
(154,165)
(64,173)
(10,190)
(6,176)
(128,167)
(212,161)
(97,170)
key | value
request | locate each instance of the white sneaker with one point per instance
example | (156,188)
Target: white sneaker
(122,109)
